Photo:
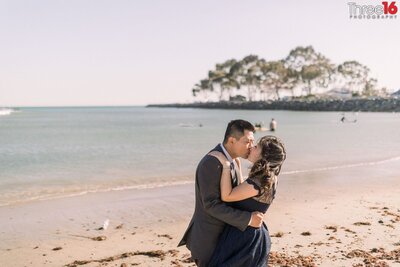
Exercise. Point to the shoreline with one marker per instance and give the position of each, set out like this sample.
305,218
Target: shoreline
145,225
312,104
185,180
116,188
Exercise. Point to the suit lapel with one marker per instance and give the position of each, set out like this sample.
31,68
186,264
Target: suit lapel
234,175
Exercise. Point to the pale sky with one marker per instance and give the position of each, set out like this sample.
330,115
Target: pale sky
81,52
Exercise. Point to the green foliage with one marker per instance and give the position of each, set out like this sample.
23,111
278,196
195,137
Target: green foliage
303,68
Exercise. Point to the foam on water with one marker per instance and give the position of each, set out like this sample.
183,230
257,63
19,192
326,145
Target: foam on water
6,111
344,166
61,194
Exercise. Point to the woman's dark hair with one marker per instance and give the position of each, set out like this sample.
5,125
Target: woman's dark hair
273,154
236,129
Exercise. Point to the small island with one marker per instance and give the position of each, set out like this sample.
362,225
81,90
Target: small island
304,81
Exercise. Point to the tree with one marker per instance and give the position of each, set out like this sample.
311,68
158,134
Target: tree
355,75
300,57
202,88
370,87
275,77
313,68
248,75
308,74
223,79
302,71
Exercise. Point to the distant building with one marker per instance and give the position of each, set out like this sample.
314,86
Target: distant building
396,94
237,98
340,93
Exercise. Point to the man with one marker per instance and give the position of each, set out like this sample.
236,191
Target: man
211,214
272,125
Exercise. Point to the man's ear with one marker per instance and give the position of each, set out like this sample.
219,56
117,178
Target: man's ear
231,140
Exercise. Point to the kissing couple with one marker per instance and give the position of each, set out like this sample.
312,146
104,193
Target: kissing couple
227,227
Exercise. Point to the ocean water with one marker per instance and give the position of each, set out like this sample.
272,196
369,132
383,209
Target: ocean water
58,152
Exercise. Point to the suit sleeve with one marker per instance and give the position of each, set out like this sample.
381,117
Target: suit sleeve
208,179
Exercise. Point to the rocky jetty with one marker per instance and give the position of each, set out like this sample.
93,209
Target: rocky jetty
315,104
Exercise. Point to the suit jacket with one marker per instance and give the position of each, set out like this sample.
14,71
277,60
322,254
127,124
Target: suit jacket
211,213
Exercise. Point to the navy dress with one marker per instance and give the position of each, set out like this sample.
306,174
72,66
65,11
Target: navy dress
251,247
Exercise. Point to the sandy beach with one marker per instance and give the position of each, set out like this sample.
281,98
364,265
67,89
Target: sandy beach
353,222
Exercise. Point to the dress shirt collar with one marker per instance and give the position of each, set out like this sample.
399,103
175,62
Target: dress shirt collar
226,153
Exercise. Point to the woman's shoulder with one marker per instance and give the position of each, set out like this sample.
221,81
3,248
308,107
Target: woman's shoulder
255,183
253,180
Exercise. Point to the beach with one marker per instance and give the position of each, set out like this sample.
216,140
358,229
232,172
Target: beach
354,223
114,186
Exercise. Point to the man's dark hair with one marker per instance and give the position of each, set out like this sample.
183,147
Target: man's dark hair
236,129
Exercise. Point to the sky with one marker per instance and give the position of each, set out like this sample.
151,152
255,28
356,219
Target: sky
131,52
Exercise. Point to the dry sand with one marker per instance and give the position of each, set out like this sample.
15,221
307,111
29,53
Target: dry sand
321,222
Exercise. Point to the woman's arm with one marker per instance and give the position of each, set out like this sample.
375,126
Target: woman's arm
240,192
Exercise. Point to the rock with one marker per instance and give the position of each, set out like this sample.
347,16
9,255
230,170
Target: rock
306,233
331,227
99,238
278,234
165,235
317,104
361,223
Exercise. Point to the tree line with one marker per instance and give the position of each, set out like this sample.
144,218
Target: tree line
303,72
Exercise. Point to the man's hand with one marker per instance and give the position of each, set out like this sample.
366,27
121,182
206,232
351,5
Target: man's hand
256,219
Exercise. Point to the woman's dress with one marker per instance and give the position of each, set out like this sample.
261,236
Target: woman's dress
251,247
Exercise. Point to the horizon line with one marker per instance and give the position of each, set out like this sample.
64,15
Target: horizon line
72,106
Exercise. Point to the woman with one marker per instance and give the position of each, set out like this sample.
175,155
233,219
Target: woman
251,247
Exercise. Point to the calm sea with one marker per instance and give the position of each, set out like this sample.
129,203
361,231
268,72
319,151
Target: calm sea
53,152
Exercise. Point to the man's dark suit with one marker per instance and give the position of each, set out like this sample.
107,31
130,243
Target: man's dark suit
211,214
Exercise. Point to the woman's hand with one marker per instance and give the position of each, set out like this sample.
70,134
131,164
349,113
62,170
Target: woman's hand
221,157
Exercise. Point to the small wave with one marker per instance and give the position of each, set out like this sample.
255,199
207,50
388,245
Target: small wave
371,163
6,111
103,190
